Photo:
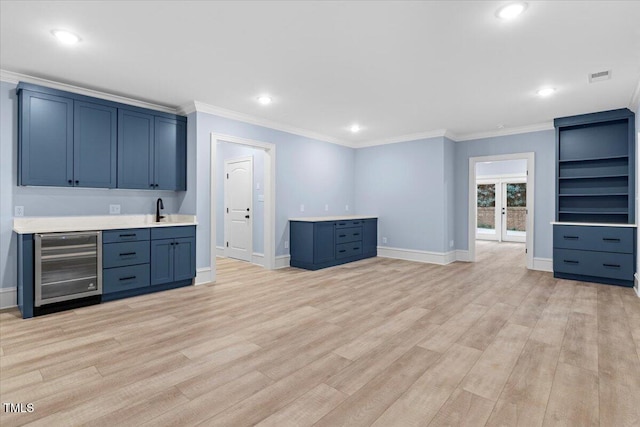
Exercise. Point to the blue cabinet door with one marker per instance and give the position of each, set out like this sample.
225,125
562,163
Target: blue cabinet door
170,156
162,261
46,139
324,244
370,237
94,145
135,150
184,258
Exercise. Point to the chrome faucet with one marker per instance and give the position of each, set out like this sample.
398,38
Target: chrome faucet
159,205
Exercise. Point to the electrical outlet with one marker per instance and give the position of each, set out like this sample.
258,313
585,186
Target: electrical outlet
346,207
286,244
384,240
450,243
18,211
114,209
301,208
326,207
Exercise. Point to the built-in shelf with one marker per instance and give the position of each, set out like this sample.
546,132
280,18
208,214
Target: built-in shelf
593,195
593,213
594,176
593,159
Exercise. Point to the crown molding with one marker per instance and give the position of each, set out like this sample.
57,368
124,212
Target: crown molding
635,99
506,131
202,107
12,77
406,138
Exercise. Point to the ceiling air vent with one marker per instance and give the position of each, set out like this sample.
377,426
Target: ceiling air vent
599,76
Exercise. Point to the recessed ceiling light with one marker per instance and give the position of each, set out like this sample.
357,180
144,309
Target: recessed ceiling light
511,10
66,37
546,91
355,128
264,99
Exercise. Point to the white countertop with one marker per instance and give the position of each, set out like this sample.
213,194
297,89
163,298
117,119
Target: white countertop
46,224
332,218
594,224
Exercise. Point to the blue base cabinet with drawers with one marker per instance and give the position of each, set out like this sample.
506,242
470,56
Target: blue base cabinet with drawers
602,254
145,260
594,236
320,244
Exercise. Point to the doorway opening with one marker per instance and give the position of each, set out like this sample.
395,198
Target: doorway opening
267,199
501,202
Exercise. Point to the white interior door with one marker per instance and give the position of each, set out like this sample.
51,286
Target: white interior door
238,195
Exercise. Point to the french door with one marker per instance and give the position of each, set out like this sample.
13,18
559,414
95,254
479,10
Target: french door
502,209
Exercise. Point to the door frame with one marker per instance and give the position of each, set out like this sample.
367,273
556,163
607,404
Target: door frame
227,224
269,197
473,196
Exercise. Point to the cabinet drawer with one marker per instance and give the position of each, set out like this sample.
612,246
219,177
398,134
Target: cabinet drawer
173,232
346,235
346,250
604,239
125,235
125,278
349,223
128,253
588,263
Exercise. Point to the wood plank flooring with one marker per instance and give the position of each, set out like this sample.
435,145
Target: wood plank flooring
378,342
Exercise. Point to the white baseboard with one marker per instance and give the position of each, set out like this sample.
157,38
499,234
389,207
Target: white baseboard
636,284
220,251
441,258
462,255
203,275
543,264
8,297
257,259
282,261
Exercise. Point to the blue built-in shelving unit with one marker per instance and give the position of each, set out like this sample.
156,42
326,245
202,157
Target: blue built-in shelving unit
594,233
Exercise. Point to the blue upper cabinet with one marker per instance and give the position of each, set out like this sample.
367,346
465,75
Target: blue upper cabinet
170,154
46,139
67,139
135,150
94,145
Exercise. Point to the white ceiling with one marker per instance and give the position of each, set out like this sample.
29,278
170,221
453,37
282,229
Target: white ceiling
396,68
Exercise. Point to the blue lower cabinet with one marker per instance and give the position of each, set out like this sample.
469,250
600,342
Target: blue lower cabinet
173,254
601,254
125,278
320,244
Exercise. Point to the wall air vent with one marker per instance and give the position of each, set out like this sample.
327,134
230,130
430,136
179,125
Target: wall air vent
599,76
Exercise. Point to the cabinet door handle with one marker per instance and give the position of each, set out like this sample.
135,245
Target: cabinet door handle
571,237
356,234
151,185
77,182
610,239
70,182
355,249
611,265
342,235
342,250
127,278
570,261
127,254
127,235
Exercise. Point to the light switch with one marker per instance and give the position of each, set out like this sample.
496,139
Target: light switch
114,209
261,197
18,211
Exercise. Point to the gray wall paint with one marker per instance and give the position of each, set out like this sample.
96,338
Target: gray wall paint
229,151
308,171
403,184
449,194
55,201
543,145
505,167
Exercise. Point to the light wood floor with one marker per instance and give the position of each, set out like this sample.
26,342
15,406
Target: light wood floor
378,342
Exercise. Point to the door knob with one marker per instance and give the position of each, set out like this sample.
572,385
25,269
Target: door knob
247,209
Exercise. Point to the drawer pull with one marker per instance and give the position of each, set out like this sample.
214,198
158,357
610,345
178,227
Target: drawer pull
342,250
356,234
128,235
610,239
611,265
355,249
342,235
570,261
356,222
342,223
128,254
128,278
571,237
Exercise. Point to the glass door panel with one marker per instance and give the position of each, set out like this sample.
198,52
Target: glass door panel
486,212
514,211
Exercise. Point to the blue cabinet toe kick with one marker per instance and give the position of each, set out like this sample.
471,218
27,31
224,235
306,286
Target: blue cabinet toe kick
594,279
